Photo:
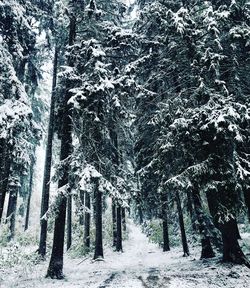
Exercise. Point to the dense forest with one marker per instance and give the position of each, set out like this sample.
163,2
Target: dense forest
124,128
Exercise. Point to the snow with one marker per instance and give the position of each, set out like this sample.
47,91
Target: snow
142,264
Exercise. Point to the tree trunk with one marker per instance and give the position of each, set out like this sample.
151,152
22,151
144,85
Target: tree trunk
55,269
4,173
207,250
12,205
48,162
182,226
191,210
247,200
124,225
27,216
87,223
69,221
119,228
231,248
114,223
164,205
82,200
98,221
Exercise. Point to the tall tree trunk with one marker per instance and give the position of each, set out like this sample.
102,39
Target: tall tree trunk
12,205
119,228
48,162
247,200
4,173
87,223
207,250
231,249
164,204
69,222
124,225
27,216
191,210
182,226
98,221
114,223
82,200
55,269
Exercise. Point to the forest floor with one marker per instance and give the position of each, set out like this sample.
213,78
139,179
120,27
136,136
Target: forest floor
142,264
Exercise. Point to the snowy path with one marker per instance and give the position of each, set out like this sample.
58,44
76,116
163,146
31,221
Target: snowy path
142,265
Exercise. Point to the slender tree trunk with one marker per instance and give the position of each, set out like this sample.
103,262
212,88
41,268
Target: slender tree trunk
27,216
4,174
247,200
12,205
124,225
48,163
69,221
119,228
114,223
207,250
191,210
55,269
182,226
164,204
98,221
87,223
82,199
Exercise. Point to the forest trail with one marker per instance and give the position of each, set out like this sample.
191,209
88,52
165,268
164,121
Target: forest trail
141,265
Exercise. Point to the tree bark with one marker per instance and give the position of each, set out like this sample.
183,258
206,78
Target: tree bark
182,226
191,210
119,228
114,223
231,248
55,269
124,225
207,250
69,222
98,221
87,223
48,162
4,173
27,216
165,235
12,205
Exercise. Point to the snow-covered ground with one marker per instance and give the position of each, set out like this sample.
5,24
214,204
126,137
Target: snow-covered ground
142,264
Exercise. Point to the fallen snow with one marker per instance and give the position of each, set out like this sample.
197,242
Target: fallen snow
142,264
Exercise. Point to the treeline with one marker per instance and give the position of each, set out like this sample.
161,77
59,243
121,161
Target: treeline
152,113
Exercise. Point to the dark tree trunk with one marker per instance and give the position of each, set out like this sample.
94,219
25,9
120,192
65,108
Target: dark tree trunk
12,205
87,223
164,204
27,216
82,200
182,226
247,200
207,250
55,269
124,225
114,223
98,221
69,222
191,210
48,163
231,248
119,228
4,173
